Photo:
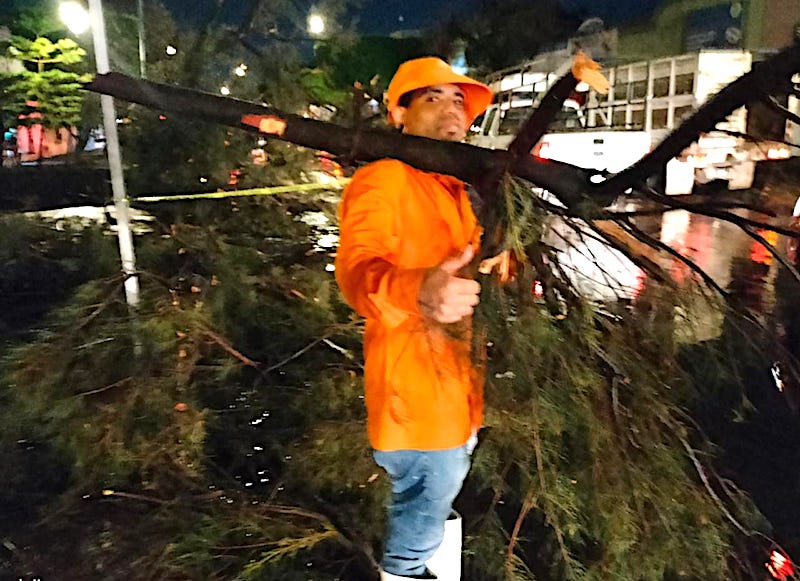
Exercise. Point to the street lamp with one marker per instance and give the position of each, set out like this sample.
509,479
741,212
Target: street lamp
316,24
124,234
171,50
75,16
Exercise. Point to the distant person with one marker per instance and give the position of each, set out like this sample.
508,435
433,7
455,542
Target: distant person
405,235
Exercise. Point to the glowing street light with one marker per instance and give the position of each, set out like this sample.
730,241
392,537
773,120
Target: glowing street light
171,50
316,24
225,90
241,70
75,16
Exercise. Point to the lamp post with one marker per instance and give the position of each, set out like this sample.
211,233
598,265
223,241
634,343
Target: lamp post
124,233
142,47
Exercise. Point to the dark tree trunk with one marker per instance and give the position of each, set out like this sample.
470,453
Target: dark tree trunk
464,161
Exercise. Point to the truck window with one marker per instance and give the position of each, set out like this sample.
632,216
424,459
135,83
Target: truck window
477,125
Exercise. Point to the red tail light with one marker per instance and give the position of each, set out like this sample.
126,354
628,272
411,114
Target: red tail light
541,150
780,566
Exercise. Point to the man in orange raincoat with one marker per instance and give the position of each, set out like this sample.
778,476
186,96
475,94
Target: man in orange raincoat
405,234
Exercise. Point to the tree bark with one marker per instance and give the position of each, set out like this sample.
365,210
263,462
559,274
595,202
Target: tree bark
461,160
479,166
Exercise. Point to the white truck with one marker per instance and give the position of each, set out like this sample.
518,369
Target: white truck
647,100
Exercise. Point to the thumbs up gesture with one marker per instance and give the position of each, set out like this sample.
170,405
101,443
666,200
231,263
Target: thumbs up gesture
443,295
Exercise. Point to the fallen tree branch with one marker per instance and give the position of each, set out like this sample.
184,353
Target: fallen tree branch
704,477
721,215
754,139
540,120
230,349
773,104
772,250
466,162
106,388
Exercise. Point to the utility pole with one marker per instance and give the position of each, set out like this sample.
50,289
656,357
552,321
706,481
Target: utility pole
124,233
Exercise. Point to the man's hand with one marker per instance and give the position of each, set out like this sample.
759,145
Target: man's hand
443,296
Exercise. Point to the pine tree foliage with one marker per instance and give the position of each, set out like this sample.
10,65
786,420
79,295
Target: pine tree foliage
246,390
42,266
590,440
237,434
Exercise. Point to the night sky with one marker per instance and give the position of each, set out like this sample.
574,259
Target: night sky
385,16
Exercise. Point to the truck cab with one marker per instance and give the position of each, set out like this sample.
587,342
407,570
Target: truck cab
569,141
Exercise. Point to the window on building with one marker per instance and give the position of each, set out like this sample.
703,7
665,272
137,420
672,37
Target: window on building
682,113
637,118
684,84
660,117
661,73
639,89
618,118
661,87
621,84
567,120
638,83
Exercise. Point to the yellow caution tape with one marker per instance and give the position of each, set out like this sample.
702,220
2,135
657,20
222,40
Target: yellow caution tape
271,191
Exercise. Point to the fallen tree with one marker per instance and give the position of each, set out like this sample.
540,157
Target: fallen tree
572,185
592,466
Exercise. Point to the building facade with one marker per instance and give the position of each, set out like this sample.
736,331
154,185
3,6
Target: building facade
681,26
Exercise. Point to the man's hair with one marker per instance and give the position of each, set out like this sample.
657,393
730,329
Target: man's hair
406,98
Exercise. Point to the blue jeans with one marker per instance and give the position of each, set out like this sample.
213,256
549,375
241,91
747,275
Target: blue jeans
424,485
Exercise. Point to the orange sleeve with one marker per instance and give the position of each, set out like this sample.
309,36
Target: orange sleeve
367,267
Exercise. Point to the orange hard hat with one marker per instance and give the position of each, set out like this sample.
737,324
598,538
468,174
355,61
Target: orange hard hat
428,71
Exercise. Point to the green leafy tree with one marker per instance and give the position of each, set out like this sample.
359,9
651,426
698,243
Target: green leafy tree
370,60
48,91
31,18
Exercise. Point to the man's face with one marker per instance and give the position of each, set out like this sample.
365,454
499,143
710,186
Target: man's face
436,112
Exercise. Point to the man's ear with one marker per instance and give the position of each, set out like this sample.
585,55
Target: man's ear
398,116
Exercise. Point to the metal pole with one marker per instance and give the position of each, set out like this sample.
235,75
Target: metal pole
142,47
124,234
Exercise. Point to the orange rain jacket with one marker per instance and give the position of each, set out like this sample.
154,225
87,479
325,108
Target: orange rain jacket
422,391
